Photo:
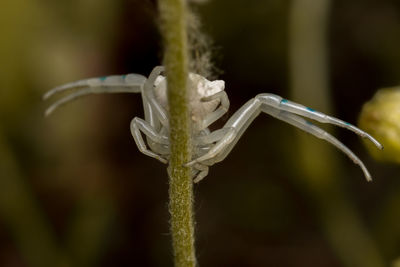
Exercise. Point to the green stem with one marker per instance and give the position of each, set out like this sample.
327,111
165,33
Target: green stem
174,30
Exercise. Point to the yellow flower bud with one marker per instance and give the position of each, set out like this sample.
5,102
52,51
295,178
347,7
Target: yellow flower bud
381,118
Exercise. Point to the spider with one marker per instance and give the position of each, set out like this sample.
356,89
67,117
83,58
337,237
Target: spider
208,102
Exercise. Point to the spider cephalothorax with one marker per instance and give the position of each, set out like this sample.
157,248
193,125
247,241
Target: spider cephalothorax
208,102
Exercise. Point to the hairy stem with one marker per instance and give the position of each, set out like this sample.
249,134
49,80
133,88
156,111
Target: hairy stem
174,31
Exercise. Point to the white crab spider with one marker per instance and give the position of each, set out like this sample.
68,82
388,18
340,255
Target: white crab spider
208,102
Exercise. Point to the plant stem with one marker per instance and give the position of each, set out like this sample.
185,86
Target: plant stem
174,30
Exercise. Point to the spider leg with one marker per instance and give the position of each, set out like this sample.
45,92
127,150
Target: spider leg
149,131
232,131
148,95
138,126
203,172
154,125
310,113
80,93
211,137
65,100
214,154
308,127
242,118
131,83
219,112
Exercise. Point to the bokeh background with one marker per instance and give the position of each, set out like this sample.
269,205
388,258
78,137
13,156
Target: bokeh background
75,190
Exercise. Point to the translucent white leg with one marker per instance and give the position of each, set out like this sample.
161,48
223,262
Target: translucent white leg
161,149
212,137
137,136
133,83
149,131
246,114
149,115
232,131
318,132
219,112
87,91
150,97
210,157
310,113
203,172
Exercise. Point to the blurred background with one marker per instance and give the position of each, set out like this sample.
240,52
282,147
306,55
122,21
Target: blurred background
75,190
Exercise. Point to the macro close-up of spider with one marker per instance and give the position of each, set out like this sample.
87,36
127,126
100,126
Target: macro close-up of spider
208,103
187,133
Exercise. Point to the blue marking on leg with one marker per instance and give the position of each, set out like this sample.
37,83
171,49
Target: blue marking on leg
103,78
284,101
310,109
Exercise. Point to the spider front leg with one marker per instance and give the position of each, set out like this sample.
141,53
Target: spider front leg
137,127
310,113
130,83
306,126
